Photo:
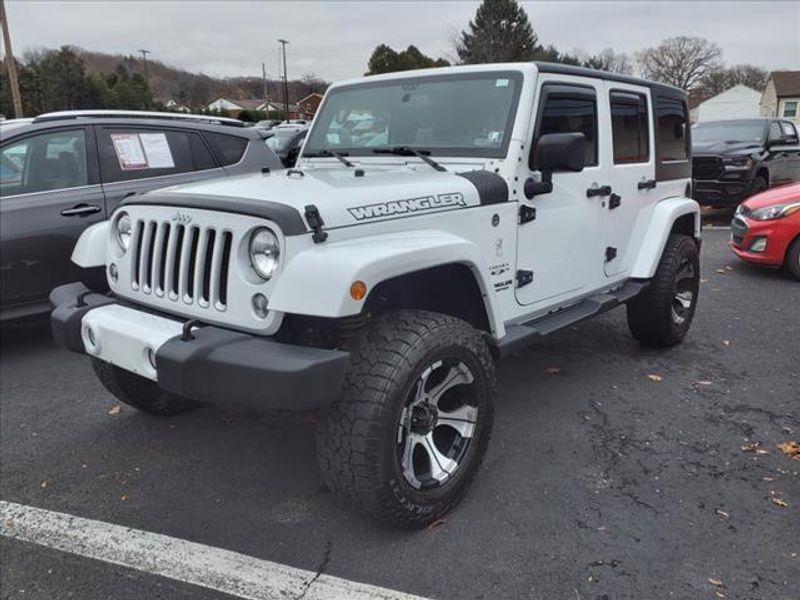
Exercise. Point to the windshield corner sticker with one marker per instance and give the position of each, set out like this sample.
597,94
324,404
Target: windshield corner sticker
400,208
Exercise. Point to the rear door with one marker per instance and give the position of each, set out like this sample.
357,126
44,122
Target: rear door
135,159
50,194
633,175
562,248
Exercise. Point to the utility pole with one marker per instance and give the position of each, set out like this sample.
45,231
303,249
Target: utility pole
285,82
144,59
264,79
11,65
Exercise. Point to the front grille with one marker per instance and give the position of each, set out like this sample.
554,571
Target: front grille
706,167
738,232
182,263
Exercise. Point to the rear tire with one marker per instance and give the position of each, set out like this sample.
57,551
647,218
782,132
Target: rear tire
793,258
409,432
139,392
662,314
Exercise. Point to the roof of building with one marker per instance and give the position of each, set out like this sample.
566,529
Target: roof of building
787,83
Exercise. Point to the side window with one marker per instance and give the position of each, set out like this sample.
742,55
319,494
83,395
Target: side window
789,130
228,148
138,153
775,132
40,163
200,153
790,108
570,112
673,138
629,128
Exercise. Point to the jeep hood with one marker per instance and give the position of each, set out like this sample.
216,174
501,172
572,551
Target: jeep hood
341,197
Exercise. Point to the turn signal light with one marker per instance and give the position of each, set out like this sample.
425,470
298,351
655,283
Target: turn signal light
358,290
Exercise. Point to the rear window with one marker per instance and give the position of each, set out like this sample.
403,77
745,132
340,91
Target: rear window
673,139
629,127
228,148
128,153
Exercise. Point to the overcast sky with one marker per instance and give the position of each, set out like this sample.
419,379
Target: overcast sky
334,39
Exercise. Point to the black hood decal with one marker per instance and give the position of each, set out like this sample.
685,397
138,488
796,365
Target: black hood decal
492,189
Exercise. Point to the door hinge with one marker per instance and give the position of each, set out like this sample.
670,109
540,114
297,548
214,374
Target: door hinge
524,277
526,214
316,223
611,253
614,201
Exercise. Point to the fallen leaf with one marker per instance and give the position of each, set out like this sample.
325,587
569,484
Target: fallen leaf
791,449
719,594
721,271
779,502
729,268
436,523
123,497
726,342
44,484
722,514
114,410
715,582
654,377
767,479
702,383
552,370
704,281
754,447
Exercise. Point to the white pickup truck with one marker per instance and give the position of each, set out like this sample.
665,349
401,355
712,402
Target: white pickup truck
435,221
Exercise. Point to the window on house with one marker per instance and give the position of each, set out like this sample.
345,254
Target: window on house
566,112
671,118
790,108
629,128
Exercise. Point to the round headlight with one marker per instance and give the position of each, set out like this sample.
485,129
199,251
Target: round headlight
264,252
122,230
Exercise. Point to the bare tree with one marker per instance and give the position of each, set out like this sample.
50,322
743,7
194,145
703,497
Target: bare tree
681,61
608,60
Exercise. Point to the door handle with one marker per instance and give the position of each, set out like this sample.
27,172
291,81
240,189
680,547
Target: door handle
598,191
646,184
81,210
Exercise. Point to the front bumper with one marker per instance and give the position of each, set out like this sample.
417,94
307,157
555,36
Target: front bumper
211,364
746,232
720,194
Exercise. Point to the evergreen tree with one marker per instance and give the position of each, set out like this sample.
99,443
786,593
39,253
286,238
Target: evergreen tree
500,32
386,60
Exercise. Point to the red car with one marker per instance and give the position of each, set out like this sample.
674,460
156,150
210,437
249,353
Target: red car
766,229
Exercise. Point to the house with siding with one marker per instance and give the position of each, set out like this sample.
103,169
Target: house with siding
738,102
781,97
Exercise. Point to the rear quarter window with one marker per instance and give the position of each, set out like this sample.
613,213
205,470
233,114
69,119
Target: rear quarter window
672,137
228,148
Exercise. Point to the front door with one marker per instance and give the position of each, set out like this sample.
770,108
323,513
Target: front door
561,251
50,194
633,180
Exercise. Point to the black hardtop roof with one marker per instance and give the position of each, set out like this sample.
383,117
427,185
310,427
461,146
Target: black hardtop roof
546,67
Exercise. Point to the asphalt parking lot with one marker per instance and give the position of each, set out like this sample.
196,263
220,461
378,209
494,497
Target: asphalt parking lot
614,472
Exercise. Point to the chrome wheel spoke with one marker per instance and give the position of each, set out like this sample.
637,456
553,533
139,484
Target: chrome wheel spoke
441,466
407,460
462,419
457,375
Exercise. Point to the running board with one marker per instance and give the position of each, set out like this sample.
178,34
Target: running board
524,334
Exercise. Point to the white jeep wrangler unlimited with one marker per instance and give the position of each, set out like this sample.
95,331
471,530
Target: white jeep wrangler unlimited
435,221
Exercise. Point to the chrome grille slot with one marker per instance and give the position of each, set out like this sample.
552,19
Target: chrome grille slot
182,263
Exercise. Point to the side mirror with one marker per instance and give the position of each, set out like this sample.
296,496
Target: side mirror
560,152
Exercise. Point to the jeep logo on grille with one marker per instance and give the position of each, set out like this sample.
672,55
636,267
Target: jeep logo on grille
182,218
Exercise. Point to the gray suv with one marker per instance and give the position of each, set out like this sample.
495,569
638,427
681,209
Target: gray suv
61,172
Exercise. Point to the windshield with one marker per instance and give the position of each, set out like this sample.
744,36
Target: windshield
730,133
450,115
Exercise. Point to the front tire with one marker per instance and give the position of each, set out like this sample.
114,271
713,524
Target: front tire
139,392
793,258
409,432
662,314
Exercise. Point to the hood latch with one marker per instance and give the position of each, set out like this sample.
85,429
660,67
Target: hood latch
314,220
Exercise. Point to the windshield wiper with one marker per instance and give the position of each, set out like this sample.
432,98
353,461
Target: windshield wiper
340,156
409,151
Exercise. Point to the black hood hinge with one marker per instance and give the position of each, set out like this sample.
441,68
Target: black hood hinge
314,220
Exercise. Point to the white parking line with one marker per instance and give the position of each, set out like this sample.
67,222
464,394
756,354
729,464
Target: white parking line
214,568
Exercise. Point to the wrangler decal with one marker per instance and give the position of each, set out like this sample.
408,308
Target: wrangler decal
453,200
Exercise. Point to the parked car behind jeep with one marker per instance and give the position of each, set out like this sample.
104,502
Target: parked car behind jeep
733,160
62,172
